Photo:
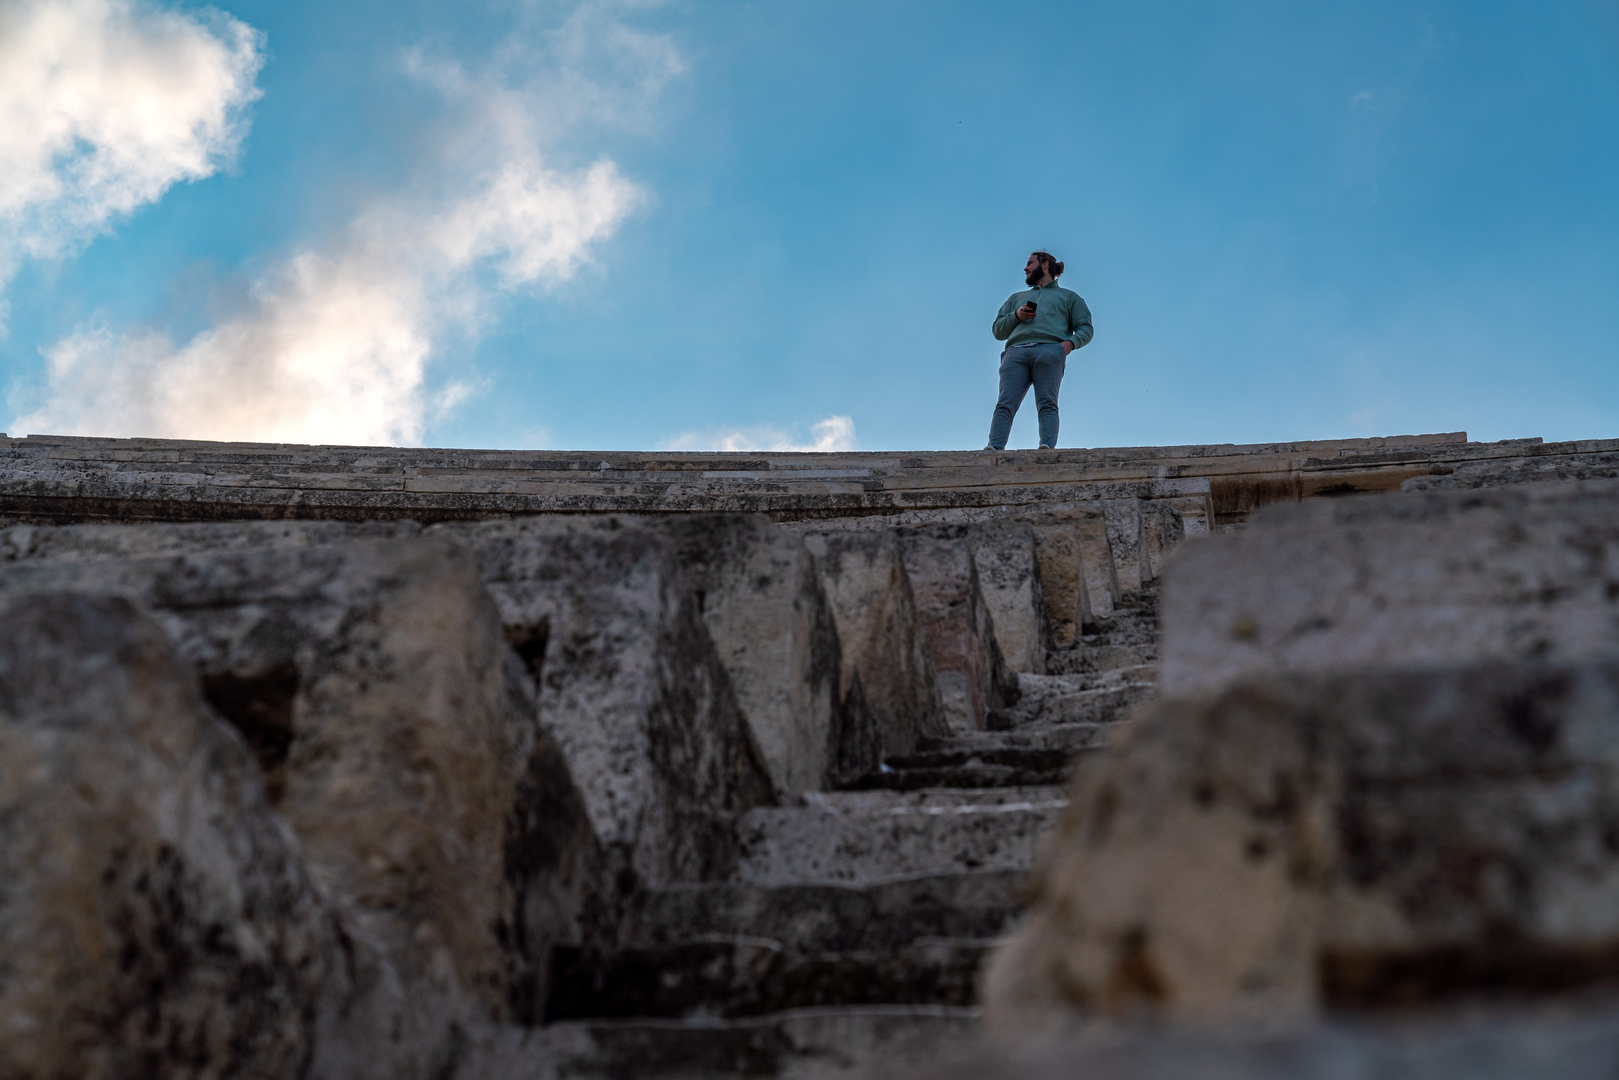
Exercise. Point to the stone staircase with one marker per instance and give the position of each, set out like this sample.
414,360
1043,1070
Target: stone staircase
852,931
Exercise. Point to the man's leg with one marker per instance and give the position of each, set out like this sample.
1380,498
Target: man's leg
1015,377
1049,362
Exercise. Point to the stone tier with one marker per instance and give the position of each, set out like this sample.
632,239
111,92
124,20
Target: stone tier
153,479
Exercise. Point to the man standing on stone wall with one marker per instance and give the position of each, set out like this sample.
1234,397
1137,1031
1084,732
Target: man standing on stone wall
1040,326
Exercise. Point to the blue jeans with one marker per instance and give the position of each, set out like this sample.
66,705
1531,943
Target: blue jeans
1022,366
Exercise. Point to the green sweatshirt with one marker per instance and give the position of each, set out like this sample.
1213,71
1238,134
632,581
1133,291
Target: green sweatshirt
1060,316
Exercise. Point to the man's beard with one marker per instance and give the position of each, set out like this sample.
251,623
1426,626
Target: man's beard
1032,277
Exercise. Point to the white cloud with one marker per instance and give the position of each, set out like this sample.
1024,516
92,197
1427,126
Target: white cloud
335,343
831,435
106,104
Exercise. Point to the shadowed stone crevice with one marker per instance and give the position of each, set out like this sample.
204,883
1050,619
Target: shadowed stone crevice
259,704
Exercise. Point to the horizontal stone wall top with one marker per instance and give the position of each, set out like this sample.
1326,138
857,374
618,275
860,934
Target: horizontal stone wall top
59,497
143,479
187,449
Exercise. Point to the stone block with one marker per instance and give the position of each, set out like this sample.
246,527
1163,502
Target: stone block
395,731
974,678
1527,571
631,686
1162,528
1096,556
1062,577
1366,839
1059,546
880,634
158,917
1123,518
763,603
864,837
1006,556
1495,472
1196,512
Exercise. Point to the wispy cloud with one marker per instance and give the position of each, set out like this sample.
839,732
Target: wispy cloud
335,343
105,105
832,435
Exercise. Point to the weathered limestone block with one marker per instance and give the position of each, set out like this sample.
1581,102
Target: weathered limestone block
761,597
1371,838
1096,556
1124,540
1495,472
25,542
157,917
1196,512
1006,555
1062,576
396,734
1161,530
881,635
1528,571
631,686
974,678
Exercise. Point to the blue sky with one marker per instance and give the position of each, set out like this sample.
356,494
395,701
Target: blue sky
636,225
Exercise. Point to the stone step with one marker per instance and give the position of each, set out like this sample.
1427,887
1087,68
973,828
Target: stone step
828,917
869,836
803,1043
972,773
1061,738
1084,658
740,976
1100,706
743,949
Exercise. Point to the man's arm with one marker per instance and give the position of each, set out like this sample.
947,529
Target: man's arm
1006,319
1080,330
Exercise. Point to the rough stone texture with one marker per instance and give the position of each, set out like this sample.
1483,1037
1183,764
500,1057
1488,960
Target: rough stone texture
761,597
870,836
1528,571
631,686
974,678
804,1044
1059,551
881,635
66,480
1368,839
1495,472
158,918
1195,513
396,734
1162,528
1096,555
100,541
1006,555
1124,533
1087,519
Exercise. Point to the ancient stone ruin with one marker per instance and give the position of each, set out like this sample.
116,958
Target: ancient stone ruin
367,762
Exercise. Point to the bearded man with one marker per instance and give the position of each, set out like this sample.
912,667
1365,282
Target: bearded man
1041,326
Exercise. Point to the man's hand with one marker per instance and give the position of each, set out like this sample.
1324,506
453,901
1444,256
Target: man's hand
1067,347
1026,313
